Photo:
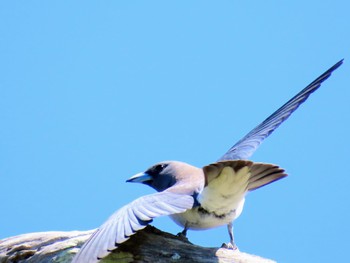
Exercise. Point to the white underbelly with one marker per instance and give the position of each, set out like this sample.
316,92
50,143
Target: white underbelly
197,219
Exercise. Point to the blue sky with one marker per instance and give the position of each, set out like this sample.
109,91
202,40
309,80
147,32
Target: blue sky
92,92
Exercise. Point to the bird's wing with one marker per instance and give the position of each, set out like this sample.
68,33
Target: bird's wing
244,148
129,219
227,183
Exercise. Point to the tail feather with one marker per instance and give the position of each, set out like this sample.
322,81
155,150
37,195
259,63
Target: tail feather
261,174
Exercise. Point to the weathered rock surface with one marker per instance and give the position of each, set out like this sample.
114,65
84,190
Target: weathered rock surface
149,245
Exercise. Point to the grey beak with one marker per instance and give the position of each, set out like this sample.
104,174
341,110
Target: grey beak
139,178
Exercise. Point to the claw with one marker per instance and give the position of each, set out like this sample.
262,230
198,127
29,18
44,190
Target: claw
230,246
182,235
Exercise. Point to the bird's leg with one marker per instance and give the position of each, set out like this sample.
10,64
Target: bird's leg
183,234
231,244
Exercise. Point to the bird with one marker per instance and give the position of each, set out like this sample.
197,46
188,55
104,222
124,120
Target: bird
197,198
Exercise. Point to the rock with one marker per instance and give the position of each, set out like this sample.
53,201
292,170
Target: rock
148,245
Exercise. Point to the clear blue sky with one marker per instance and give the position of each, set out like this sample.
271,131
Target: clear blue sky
92,92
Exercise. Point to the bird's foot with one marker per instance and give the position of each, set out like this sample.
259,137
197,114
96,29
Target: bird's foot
182,236
229,245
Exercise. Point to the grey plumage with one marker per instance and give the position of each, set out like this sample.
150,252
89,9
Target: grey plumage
197,198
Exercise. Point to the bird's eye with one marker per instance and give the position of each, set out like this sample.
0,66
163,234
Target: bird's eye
157,169
160,167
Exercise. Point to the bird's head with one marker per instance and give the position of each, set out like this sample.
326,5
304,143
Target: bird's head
163,175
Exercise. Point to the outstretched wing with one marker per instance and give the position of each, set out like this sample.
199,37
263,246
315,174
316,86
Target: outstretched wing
129,219
244,148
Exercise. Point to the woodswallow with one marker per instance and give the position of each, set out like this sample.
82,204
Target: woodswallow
197,198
